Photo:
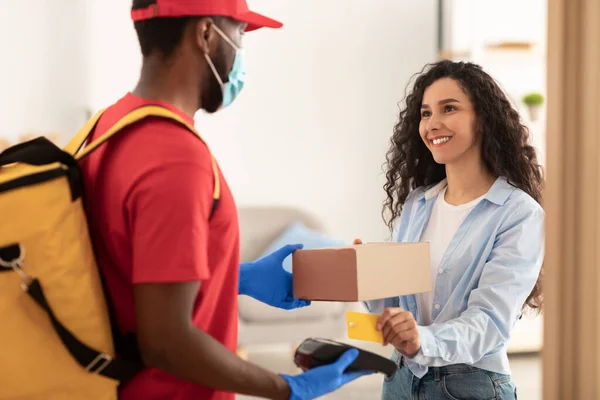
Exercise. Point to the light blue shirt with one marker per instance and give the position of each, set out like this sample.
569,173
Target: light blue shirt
487,272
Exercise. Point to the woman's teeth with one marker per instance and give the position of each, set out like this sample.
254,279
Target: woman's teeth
441,140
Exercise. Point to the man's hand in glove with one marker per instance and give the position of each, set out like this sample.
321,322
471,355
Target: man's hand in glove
267,281
324,379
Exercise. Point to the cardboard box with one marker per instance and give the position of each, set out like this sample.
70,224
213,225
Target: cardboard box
361,272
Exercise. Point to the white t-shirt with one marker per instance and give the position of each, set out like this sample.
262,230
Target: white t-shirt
443,223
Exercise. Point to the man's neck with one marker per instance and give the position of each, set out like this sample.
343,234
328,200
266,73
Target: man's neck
160,82
467,180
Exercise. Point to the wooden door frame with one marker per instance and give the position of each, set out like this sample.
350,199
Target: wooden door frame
571,355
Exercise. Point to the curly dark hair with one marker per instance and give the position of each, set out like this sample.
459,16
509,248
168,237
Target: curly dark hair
504,143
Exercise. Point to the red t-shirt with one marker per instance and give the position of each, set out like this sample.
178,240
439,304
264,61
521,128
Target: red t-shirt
149,193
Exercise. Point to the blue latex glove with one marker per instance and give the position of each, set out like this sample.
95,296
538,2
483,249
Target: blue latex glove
324,379
267,281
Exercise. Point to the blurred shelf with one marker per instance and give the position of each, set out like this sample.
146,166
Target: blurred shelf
454,54
495,49
512,46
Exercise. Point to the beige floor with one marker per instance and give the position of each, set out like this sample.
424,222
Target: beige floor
526,373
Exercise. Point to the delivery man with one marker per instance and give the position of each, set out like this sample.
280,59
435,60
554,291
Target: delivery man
171,266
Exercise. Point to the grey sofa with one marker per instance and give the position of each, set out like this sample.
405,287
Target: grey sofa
260,324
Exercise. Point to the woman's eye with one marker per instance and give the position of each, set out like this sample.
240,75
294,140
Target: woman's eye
425,114
449,108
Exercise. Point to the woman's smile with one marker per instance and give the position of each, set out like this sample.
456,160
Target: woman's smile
439,140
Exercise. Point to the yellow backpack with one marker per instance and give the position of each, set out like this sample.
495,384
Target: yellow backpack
56,333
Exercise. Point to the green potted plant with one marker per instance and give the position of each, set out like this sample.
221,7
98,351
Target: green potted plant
534,102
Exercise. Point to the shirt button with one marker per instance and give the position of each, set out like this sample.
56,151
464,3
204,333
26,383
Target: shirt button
437,306
441,271
448,356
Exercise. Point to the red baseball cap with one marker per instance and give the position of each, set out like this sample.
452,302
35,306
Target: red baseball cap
235,9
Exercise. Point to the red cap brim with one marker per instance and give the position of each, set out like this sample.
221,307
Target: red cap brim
257,21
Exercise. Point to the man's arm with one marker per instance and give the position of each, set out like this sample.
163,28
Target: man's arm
169,341
167,206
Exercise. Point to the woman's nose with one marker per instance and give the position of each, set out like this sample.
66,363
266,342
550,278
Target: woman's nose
433,123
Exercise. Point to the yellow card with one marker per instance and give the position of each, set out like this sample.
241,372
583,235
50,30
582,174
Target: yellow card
362,326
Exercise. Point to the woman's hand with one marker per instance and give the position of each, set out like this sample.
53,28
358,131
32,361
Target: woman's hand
400,330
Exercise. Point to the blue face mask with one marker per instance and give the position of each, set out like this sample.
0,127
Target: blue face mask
235,82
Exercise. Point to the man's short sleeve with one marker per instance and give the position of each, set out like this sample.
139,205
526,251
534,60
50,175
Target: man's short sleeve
168,209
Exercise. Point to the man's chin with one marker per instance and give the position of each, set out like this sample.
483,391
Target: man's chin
214,102
212,107
211,110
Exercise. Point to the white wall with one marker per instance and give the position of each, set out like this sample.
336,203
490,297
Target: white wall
44,68
312,125
115,58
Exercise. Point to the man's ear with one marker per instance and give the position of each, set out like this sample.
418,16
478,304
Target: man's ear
206,37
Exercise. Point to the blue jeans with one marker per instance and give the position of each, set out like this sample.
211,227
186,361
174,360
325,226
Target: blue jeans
453,382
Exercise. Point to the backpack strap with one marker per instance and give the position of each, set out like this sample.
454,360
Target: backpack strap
93,361
77,142
75,145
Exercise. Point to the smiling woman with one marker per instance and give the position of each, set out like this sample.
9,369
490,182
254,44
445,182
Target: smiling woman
448,118
462,177
445,95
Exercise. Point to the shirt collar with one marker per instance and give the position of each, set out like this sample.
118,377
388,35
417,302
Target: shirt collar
498,193
435,189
